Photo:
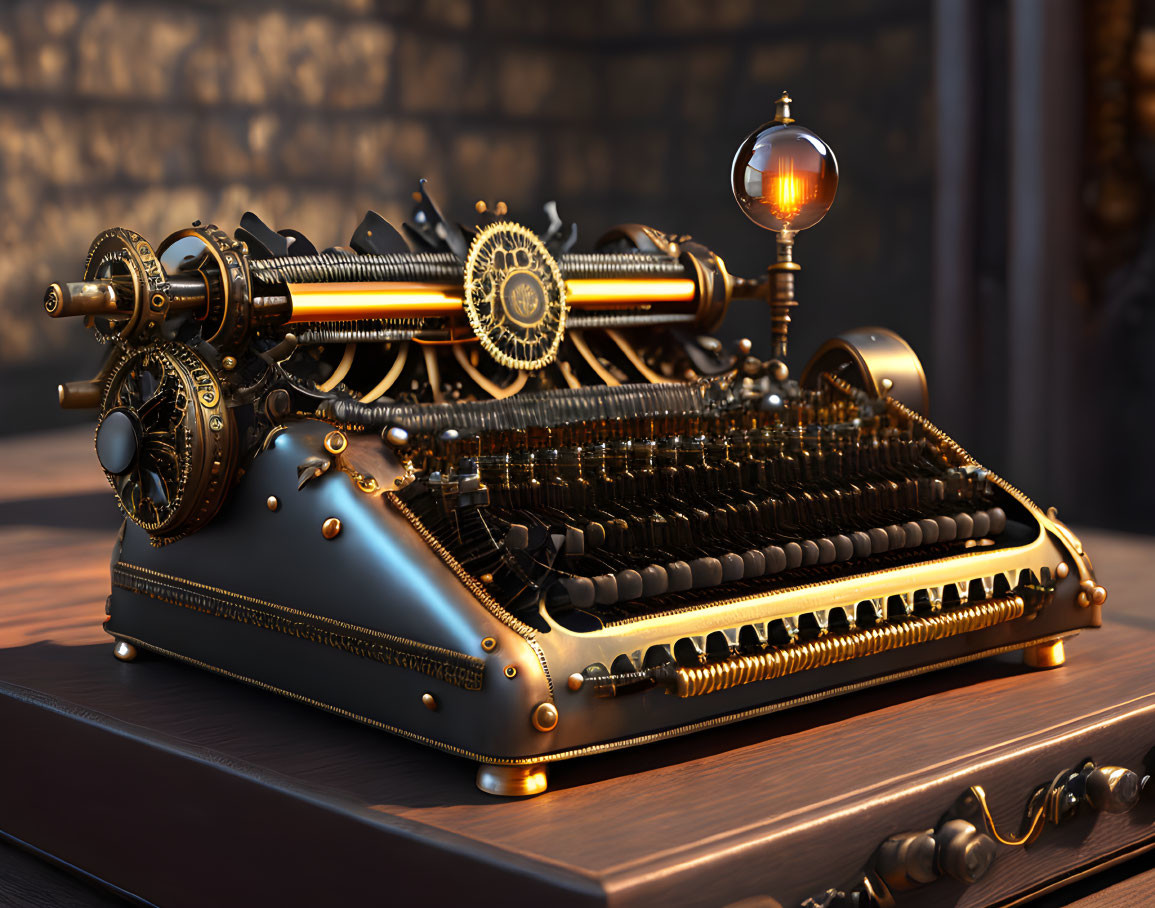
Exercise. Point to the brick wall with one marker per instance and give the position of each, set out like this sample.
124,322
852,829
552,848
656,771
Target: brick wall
151,114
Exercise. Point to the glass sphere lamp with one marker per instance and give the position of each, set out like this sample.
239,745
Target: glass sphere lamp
784,179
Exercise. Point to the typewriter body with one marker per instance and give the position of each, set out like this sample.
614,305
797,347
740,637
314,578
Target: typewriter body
509,500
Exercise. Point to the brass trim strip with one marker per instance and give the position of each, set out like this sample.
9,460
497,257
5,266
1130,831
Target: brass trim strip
591,749
829,649
458,669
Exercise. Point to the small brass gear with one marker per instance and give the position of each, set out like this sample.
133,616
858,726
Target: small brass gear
514,296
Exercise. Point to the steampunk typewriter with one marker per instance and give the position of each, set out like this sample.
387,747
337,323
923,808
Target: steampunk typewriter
509,500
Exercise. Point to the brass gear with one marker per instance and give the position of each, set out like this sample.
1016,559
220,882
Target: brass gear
514,296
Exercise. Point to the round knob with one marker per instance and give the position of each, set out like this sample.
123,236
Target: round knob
1112,788
906,861
118,441
964,853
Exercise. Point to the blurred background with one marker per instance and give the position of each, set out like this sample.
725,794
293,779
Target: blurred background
995,156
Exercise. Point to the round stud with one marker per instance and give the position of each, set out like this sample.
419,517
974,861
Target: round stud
886,384
1062,570
479,206
330,528
124,651
336,442
489,644
777,370
1098,595
486,578
229,363
575,681
396,437
272,502
544,717
745,345
511,671
501,209
429,702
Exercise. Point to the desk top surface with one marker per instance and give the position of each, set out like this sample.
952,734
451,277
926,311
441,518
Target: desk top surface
618,818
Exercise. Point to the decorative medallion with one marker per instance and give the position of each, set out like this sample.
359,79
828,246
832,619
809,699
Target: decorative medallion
166,440
514,296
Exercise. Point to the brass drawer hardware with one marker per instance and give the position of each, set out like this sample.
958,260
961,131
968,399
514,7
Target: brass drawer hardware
965,843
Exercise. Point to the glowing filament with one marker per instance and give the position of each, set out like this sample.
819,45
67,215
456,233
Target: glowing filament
789,192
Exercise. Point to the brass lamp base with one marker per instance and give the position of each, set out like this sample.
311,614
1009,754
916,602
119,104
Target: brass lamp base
512,781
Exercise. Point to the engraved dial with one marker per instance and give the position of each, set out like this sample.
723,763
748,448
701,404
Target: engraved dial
514,296
166,440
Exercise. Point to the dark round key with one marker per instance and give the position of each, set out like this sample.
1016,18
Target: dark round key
775,559
732,567
861,543
706,572
580,591
629,585
680,577
843,547
998,520
655,580
929,529
605,589
809,552
753,563
879,541
793,554
982,524
965,524
895,537
826,552
913,533
947,529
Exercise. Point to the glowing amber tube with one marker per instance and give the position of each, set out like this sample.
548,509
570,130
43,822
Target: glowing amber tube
598,293
336,302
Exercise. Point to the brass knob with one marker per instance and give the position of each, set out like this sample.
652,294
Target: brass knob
964,853
1112,788
907,860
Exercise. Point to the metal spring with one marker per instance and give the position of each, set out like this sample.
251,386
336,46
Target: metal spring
446,267
397,266
579,265
597,321
826,650
522,411
360,332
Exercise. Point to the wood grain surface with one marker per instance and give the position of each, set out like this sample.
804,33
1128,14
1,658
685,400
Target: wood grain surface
782,806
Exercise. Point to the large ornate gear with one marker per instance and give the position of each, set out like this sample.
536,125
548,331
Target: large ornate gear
166,440
514,296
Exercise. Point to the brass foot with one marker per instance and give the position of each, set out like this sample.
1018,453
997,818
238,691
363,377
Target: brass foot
1045,655
512,781
124,651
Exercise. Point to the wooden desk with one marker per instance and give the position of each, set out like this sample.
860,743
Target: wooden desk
187,789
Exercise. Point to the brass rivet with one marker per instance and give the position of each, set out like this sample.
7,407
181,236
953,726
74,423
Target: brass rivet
487,578
1061,570
336,442
886,384
489,644
229,363
511,671
1098,595
480,207
745,345
429,701
544,717
272,502
330,528
501,209
575,681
